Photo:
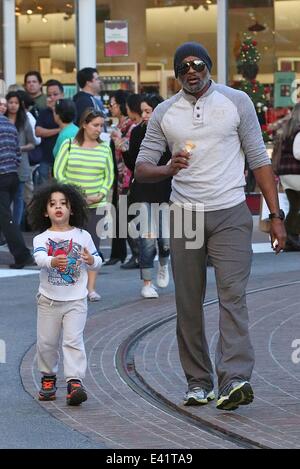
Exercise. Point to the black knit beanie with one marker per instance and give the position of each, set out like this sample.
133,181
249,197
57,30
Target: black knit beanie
191,49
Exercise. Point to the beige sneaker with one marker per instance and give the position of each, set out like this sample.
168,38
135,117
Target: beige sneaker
163,278
94,296
149,291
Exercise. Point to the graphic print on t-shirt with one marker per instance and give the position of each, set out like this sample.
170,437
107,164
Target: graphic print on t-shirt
72,251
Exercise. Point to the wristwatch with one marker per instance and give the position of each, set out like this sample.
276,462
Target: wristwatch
279,215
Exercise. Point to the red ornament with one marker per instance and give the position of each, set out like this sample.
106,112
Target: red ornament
245,47
254,43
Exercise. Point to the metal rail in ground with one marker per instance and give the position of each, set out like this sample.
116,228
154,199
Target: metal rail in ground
126,368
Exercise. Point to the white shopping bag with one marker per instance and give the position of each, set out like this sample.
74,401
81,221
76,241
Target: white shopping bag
264,222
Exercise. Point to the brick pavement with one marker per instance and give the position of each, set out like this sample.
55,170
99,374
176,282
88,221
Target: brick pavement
117,416
273,420
114,413
121,418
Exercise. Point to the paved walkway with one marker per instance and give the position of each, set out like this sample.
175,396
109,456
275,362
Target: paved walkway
121,418
119,414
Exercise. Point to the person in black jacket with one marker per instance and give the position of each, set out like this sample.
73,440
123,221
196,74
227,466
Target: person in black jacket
90,84
148,195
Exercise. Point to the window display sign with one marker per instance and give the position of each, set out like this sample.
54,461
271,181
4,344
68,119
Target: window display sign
115,38
284,89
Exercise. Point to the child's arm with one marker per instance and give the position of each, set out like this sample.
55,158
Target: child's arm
41,256
46,262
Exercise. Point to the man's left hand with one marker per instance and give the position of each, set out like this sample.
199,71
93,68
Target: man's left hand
278,235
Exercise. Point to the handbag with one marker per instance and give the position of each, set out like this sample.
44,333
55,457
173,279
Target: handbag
35,156
276,154
264,222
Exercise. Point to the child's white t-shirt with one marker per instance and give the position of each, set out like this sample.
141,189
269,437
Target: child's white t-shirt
70,284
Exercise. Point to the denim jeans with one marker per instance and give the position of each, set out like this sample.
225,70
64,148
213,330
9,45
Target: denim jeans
45,171
18,209
8,188
154,231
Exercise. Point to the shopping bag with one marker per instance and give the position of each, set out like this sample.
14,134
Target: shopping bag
264,222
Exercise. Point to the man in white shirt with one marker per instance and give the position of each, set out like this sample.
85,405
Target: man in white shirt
210,128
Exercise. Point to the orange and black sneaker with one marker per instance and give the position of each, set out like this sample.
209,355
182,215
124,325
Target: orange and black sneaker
48,388
76,392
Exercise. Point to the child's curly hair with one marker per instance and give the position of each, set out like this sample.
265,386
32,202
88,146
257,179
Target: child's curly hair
38,206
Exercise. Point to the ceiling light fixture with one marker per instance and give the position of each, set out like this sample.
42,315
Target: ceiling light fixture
29,12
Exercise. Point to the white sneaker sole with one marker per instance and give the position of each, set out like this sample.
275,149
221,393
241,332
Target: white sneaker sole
194,401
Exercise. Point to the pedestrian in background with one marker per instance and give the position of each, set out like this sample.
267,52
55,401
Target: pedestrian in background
33,84
87,162
88,97
3,108
64,116
289,171
10,159
152,231
120,136
48,129
3,104
17,115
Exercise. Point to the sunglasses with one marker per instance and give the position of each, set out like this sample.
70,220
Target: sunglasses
197,65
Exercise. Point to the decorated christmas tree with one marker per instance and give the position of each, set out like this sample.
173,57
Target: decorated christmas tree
247,65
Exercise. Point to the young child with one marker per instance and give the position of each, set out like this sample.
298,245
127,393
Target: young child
64,252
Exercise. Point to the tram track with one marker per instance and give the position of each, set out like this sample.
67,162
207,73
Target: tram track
125,365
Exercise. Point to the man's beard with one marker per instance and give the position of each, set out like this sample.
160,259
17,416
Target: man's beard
197,87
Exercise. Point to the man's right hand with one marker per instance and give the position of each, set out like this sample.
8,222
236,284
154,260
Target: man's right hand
178,161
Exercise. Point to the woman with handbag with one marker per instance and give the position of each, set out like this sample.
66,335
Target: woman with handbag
17,115
153,199
87,162
288,169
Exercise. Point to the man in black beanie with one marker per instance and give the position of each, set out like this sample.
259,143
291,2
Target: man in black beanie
210,128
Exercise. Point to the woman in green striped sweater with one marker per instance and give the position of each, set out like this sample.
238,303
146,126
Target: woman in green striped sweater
87,162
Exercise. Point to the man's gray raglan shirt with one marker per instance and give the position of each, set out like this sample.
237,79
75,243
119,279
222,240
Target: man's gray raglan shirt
224,128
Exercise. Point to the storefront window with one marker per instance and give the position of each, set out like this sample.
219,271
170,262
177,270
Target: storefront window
287,27
287,52
255,20
46,39
155,29
274,26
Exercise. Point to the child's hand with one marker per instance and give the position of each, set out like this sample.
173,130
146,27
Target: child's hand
87,257
94,199
60,262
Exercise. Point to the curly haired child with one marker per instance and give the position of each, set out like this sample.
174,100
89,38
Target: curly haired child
64,252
